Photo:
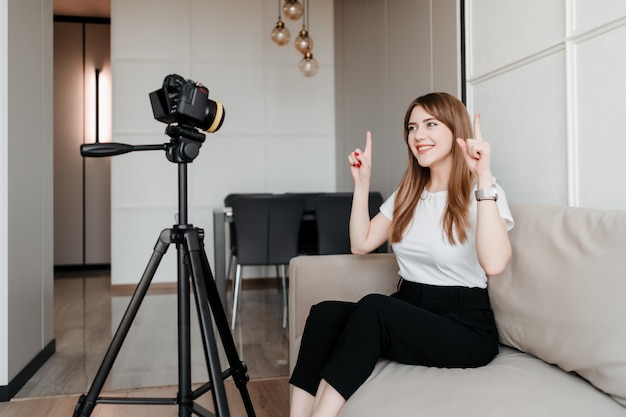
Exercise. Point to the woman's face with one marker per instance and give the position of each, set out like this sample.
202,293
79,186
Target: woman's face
429,139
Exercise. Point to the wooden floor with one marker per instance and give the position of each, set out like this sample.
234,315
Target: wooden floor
87,313
270,398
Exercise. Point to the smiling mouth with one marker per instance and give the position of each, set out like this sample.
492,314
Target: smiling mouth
424,148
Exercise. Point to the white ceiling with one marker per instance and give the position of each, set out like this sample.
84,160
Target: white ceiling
85,8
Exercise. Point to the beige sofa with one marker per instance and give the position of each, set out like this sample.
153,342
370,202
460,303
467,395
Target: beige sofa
561,311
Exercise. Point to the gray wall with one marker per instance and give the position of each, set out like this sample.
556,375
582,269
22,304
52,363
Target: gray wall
26,232
387,54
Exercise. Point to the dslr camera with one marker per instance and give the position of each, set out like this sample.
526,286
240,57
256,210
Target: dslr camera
187,103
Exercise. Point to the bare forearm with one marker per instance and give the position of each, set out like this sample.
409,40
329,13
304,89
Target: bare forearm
492,240
359,217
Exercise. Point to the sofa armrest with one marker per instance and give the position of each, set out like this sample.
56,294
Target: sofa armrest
334,277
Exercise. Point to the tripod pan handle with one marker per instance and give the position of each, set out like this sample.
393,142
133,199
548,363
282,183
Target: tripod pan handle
105,149
98,150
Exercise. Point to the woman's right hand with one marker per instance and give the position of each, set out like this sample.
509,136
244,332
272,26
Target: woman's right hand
365,234
361,161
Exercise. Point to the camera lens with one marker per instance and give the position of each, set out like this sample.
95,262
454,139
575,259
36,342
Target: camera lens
215,114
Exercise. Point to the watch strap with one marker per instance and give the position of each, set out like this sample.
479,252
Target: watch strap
490,193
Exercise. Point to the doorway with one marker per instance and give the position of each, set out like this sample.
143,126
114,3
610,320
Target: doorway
82,114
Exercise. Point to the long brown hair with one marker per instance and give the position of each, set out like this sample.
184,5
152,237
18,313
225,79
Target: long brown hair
452,113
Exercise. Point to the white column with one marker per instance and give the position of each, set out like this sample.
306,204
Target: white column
26,264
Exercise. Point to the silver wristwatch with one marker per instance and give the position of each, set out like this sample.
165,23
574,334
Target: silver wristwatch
490,193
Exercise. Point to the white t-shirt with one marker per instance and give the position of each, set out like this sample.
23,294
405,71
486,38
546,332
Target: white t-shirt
424,254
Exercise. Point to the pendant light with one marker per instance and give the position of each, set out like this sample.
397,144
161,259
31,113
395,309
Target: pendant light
280,33
303,42
292,9
308,65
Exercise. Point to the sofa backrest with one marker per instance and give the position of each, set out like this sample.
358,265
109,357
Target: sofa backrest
562,297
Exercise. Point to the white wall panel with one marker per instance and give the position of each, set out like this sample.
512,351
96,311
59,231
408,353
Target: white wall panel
136,231
296,108
587,14
229,30
143,179
601,90
523,118
574,98
294,163
503,32
226,165
150,29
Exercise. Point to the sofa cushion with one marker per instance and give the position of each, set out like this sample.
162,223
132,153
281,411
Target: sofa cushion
562,296
514,384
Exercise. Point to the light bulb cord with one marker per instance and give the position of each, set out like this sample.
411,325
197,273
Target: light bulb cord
306,13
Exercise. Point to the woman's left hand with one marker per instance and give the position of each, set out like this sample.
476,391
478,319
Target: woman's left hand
476,151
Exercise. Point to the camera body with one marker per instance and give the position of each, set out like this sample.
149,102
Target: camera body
186,102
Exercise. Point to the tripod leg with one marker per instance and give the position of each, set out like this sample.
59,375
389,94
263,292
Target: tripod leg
207,296
185,395
87,403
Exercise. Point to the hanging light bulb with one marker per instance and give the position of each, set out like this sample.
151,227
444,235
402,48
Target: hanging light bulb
280,33
304,42
292,9
308,65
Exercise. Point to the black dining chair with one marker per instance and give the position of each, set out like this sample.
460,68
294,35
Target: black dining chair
267,229
307,241
232,247
332,213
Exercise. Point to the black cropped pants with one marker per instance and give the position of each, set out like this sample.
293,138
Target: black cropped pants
451,327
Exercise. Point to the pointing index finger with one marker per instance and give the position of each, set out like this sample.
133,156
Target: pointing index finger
477,133
368,143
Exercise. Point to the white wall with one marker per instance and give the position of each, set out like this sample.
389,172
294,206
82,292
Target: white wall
26,258
548,79
279,131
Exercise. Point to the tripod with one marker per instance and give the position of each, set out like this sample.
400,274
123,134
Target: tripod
193,270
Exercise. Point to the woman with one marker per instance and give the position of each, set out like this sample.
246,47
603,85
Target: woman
447,223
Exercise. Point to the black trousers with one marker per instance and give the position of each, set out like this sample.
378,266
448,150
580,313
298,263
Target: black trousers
428,325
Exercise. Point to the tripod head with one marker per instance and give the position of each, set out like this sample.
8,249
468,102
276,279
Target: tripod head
183,147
